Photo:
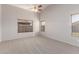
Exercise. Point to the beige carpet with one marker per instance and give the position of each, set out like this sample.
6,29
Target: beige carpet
36,45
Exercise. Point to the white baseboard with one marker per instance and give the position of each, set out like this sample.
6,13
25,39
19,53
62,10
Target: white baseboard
70,43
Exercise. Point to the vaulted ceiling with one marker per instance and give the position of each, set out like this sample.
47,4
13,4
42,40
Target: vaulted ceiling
30,6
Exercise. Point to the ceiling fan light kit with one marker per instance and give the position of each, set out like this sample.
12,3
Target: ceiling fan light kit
37,8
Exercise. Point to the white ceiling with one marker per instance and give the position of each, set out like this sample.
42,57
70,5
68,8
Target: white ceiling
29,6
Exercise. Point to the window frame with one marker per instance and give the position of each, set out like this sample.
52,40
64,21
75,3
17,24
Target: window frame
26,25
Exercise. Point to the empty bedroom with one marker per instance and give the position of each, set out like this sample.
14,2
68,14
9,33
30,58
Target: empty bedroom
39,28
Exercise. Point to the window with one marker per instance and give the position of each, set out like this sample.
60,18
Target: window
25,26
42,26
75,24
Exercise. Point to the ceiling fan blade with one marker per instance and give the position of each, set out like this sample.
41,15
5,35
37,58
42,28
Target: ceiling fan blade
39,6
36,8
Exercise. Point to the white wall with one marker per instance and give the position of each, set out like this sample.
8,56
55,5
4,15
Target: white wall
0,23
10,14
58,23
36,24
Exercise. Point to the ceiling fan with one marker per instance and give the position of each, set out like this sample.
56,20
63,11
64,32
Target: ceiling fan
37,8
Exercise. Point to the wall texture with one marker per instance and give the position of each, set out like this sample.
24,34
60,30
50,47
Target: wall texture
0,23
58,23
10,14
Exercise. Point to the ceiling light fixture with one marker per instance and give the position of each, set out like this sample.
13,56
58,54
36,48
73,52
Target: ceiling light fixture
37,8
